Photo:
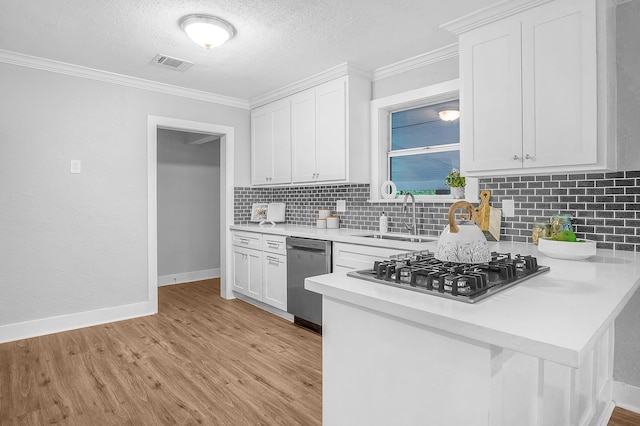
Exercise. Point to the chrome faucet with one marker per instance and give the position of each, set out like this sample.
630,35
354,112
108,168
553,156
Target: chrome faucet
413,226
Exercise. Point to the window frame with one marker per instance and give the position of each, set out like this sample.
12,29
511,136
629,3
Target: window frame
381,110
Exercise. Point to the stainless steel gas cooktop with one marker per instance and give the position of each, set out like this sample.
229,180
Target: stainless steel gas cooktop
465,282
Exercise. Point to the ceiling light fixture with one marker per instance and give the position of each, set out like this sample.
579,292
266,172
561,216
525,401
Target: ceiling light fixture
207,31
449,115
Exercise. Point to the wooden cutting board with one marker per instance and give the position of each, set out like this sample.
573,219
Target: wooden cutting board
488,218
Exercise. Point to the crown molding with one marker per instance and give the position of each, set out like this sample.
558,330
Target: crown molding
490,14
34,62
440,54
341,70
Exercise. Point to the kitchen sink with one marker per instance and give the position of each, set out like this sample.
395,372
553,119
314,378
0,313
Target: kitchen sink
400,237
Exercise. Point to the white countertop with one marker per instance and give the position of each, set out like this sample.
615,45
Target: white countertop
342,235
557,316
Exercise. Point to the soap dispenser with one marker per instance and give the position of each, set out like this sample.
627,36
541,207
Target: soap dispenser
384,223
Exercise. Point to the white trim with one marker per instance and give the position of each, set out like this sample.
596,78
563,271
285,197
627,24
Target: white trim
226,195
265,307
626,396
187,277
41,327
437,55
490,14
379,131
309,82
28,61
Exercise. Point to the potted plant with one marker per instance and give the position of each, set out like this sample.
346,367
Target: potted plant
456,183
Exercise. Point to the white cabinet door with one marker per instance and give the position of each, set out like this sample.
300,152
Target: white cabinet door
247,272
331,136
254,265
281,148
529,96
303,136
271,143
261,145
559,84
275,280
240,270
490,99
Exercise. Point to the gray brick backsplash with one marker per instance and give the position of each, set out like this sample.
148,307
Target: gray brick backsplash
605,206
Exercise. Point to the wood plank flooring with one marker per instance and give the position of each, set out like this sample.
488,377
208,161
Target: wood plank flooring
622,417
200,360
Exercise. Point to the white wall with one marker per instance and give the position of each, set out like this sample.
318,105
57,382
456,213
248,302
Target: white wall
434,73
73,243
627,349
188,205
628,80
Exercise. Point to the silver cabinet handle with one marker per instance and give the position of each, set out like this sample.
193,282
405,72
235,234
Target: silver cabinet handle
528,157
244,241
515,157
273,259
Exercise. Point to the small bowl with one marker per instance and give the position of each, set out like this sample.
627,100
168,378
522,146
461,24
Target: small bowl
566,249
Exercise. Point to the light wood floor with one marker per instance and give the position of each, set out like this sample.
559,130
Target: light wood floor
622,417
201,360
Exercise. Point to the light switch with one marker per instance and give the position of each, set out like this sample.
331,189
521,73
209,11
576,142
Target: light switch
508,208
341,206
76,166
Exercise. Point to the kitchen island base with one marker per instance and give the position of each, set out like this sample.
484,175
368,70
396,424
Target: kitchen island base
380,369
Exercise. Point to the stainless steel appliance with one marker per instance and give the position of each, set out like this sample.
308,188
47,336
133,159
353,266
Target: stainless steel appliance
466,282
305,258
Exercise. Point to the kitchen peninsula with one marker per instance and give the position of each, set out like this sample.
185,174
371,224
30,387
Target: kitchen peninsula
539,353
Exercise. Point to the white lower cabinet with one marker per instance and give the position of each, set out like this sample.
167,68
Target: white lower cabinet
354,257
247,272
260,267
274,274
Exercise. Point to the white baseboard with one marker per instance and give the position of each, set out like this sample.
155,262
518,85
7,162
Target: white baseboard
626,396
187,277
272,309
41,327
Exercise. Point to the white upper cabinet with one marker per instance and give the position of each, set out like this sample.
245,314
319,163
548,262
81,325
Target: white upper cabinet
534,89
271,144
319,137
328,132
303,135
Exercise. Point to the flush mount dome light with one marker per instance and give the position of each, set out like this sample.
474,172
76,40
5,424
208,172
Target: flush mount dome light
207,31
449,115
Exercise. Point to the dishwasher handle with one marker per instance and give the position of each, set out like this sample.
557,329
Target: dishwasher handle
308,244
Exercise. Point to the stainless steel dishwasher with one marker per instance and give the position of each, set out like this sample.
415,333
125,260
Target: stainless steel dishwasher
305,258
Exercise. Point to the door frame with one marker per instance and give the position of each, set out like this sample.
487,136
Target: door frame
226,196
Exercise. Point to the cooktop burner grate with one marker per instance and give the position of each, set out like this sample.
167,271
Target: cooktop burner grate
422,272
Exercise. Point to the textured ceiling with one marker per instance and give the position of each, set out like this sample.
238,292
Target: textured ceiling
278,42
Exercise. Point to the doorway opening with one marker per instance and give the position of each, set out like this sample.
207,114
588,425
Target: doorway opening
188,206
225,135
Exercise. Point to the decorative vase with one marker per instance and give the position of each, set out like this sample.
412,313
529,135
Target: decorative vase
457,192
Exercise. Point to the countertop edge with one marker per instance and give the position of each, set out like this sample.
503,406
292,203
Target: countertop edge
564,356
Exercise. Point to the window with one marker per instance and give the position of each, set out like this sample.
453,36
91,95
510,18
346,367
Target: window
416,164
423,148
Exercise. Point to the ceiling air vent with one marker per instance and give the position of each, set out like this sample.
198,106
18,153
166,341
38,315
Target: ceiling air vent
169,62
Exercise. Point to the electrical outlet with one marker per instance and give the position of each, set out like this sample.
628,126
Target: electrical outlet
508,208
341,206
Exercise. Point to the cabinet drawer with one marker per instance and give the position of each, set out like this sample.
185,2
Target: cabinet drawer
250,240
351,257
274,244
